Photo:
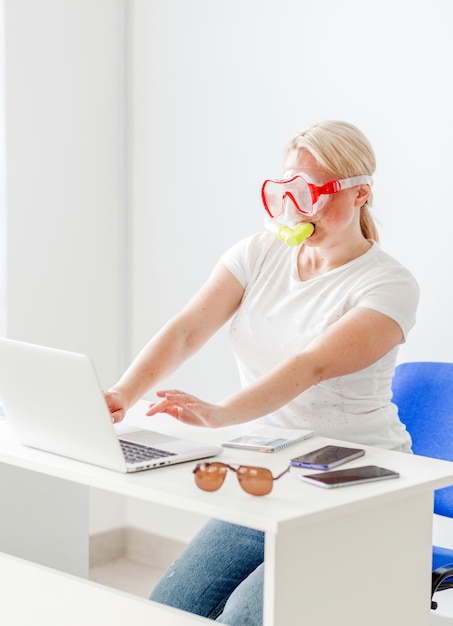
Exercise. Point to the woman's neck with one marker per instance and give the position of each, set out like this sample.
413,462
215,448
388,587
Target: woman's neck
315,261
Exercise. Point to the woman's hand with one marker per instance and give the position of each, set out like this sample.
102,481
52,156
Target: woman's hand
117,405
189,409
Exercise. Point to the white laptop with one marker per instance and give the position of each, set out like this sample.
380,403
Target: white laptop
54,402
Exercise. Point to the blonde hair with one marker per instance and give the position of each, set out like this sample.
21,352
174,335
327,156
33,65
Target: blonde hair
344,151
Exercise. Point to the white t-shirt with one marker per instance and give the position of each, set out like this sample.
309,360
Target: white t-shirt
280,314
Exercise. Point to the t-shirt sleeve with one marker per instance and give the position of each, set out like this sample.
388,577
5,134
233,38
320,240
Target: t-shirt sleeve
245,258
395,293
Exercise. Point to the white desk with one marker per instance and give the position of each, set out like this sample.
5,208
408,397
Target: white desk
359,554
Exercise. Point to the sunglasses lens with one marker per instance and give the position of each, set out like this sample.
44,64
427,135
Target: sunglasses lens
255,480
210,476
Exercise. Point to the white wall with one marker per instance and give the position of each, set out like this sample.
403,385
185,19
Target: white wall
3,236
211,93
63,272
65,176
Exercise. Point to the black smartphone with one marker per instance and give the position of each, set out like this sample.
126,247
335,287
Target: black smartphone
327,457
350,476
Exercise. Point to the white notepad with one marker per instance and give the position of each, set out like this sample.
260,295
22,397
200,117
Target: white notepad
269,438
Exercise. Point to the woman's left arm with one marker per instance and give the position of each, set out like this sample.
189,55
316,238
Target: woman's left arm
357,340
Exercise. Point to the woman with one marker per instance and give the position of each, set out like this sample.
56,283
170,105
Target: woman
316,331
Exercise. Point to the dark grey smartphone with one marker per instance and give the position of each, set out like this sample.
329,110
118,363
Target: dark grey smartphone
327,457
350,476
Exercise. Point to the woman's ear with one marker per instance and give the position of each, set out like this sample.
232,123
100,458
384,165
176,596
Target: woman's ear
363,193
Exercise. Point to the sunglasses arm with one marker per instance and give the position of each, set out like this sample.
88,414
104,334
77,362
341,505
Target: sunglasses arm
283,473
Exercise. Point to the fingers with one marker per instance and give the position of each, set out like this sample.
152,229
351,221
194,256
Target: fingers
176,410
171,405
179,405
115,406
164,392
171,396
117,416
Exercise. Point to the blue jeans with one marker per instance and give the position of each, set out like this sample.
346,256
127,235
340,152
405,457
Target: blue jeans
219,575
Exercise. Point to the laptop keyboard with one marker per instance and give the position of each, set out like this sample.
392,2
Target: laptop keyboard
134,452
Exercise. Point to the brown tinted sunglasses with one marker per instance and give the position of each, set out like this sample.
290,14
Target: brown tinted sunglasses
257,481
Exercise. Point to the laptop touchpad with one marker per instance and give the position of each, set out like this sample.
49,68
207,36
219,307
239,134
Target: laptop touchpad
146,437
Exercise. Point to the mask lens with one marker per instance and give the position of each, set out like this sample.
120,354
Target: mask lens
255,480
210,476
276,193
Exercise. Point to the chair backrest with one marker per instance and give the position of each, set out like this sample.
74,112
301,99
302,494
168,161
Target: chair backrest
423,392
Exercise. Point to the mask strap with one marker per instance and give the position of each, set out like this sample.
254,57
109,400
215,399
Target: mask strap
347,183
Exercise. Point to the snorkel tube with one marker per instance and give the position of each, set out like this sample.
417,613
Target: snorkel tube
291,236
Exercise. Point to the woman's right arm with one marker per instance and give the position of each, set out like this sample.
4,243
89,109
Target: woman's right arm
209,309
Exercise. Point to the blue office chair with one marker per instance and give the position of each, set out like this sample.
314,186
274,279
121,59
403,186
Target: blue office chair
423,392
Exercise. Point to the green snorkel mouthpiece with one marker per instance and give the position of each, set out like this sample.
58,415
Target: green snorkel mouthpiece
291,236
